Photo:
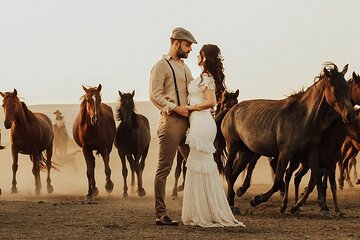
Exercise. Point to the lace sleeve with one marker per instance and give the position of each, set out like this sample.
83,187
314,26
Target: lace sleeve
207,83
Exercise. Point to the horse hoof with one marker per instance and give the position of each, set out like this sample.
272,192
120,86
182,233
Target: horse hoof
14,190
125,195
109,186
240,191
235,210
282,194
293,210
95,192
180,188
255,201
141,192
358,182
0,191
325,213
88,199
283,209
50,189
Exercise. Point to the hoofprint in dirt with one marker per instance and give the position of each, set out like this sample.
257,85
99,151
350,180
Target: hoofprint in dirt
60,216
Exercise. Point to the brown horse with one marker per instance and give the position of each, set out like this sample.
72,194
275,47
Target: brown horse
227,100
31,134
329,155
94,130
285,129
132,140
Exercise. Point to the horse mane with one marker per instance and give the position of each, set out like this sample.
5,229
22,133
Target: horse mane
29,115
83,111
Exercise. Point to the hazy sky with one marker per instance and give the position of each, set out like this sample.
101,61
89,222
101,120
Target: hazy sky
49,48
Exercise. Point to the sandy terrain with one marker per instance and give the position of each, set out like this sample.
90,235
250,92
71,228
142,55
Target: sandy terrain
64,215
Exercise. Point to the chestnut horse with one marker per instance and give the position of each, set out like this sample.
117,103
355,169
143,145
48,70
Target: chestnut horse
227,100
285,129
94,130
31,134
132,141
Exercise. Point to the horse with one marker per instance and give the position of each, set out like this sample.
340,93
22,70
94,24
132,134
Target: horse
61,139
227,100
354,83
132,141
330,153
31,134
94,130
284,129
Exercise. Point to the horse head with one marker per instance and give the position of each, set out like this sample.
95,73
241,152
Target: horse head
92,101
228,99
126,106
355,88
11,105
337,92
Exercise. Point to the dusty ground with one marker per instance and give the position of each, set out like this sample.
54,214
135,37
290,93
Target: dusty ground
63,214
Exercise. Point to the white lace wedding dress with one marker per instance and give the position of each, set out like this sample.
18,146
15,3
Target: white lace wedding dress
204,200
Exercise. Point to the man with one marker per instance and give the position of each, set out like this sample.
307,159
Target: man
168,92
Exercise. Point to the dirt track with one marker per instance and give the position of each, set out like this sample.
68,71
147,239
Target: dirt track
63,215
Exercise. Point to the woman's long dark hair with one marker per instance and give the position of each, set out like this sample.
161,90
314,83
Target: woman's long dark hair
213,65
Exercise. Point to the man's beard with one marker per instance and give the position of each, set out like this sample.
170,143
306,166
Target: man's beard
181,54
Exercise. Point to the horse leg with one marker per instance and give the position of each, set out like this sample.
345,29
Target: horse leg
332,181
280,170
354,162
179,160
181,187
109,185
14,169
141,191
228,174
124,173
49,152
133,169
298,176
347,171
253,158
90,167
289,171
310,187
36,171
341,165
273,164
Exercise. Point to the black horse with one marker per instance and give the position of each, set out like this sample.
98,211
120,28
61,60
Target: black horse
132,140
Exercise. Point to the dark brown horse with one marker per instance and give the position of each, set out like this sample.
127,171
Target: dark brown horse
31,134
285,129
94,130
329,155
227,100
132,141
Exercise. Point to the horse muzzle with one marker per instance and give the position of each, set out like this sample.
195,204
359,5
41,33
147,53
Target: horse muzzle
7,124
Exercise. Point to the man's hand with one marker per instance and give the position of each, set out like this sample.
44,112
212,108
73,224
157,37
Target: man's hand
182,111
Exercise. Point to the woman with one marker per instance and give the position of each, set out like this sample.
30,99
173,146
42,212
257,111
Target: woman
204,201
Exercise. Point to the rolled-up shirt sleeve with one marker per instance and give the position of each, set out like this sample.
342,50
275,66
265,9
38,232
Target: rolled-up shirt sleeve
157,92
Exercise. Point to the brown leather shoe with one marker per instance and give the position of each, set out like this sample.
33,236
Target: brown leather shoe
166,220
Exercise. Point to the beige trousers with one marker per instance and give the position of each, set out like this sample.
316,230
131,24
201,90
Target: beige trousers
171,132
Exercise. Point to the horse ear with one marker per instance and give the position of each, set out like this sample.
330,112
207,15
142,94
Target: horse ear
353,75
99,87
237,93
327,73
85,89
2,94
345,69
15,92
120,93
133,93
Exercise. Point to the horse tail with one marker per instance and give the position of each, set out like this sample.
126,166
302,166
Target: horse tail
43,160
220,144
